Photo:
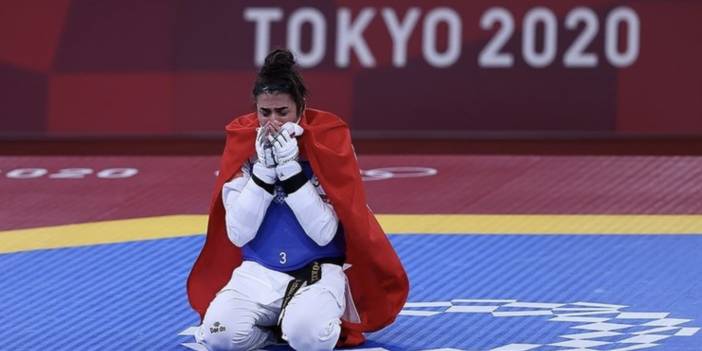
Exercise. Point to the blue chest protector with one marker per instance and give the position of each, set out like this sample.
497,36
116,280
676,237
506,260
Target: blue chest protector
281,244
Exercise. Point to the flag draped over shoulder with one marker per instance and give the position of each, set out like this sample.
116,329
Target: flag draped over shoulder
378,282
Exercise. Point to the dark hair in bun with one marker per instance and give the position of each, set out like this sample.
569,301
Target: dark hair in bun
278,75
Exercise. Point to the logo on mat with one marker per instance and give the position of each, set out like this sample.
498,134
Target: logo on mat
592,326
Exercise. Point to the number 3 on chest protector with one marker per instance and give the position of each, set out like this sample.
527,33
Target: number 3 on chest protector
283,257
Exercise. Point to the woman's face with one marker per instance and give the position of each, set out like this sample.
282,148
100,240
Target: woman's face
276,108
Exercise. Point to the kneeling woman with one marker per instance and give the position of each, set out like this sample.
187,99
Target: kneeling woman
292,252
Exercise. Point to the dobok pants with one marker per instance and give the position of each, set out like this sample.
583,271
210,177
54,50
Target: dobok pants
243,313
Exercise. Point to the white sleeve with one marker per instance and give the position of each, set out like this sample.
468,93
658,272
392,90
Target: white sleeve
316,216
245,204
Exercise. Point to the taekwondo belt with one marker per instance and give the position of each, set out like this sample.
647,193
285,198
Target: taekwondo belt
307,275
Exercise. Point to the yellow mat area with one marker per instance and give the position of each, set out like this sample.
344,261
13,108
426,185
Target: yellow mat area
117,231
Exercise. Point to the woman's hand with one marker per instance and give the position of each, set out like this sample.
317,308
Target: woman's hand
293,129
285,147
264,150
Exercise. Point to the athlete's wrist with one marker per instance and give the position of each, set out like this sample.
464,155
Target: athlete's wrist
291,176
265,174
288,169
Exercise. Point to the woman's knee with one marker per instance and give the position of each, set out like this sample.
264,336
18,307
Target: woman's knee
220,336
310,335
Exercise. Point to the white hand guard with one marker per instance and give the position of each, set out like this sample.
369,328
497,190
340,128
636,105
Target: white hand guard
284,146
287,170
264,150
293,129
266,174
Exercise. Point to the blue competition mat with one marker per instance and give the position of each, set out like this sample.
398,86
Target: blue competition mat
468,292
